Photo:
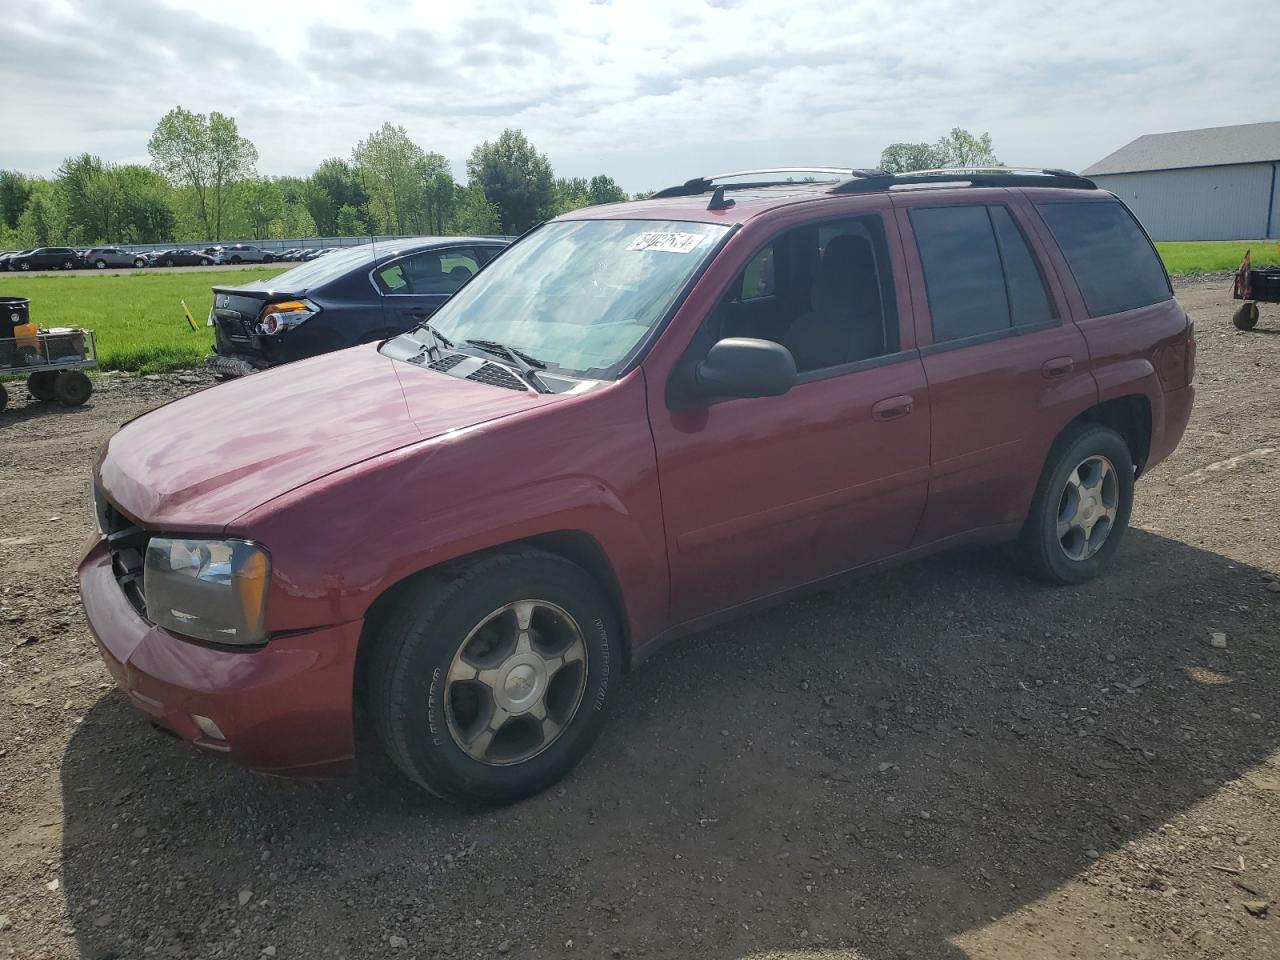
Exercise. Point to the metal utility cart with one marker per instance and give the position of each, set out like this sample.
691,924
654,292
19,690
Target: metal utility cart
53,361
1253,285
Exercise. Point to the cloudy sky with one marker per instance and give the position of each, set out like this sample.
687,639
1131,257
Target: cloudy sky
650,91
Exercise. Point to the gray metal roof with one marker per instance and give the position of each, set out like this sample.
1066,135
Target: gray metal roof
1211,147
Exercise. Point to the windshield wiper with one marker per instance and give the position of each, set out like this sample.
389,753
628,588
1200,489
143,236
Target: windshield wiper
438,340
527,365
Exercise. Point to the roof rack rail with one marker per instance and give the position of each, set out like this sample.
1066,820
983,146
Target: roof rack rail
699,185
969,176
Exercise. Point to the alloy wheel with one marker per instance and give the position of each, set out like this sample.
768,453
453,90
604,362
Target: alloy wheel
516,682
1088,508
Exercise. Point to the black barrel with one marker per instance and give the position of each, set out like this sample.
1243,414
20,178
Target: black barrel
14,312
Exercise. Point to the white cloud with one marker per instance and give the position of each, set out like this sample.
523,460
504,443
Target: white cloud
651,91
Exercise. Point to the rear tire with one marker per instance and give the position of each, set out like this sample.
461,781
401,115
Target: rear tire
24,265
268,259
1246,318
467,737
168,262
236,260
1081,507
41,385
72,388
100,264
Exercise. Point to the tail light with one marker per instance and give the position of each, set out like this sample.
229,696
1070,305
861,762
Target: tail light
1176,359
278,317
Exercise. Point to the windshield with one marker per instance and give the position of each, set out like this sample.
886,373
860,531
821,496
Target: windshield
326,268
580,295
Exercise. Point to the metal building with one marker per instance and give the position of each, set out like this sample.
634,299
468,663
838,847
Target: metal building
1222,183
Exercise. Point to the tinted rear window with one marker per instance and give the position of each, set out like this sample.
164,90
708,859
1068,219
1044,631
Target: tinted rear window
1113,262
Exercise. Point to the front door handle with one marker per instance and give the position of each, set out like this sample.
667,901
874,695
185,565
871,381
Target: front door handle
893,408
1057,367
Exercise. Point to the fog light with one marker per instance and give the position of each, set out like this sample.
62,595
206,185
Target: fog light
208,727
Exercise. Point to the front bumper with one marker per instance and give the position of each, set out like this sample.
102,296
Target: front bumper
285,708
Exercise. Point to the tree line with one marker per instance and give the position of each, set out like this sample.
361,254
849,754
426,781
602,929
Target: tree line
203,184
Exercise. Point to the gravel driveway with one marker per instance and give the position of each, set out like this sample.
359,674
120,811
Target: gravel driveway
944,761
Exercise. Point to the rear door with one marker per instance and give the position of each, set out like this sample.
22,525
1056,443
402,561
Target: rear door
1006,367
414,286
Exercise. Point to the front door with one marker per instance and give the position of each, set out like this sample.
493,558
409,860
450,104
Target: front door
1006,367
760,495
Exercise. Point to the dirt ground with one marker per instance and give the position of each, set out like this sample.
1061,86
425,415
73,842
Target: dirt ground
942,761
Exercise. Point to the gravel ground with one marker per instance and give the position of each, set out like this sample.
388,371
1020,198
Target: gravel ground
942,761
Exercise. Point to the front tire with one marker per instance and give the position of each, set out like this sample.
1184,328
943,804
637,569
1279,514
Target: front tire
1081,507
493,679
139,263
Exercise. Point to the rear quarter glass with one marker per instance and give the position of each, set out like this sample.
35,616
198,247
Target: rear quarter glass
1114,263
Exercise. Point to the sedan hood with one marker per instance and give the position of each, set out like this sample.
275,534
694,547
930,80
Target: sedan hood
198,463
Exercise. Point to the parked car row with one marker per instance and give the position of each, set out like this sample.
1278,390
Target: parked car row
639,420
100,258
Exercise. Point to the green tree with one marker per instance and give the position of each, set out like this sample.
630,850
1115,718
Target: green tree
335,184
438,193
391,168
262,204
570,194
205,153
15,190
603,189
905,157
43,221
515,178
474,215
959,148
146,213
93,199
350,222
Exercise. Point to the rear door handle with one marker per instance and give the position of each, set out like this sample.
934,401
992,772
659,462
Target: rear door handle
893,408
1057,367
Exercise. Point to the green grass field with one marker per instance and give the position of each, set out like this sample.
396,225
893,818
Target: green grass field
138,317
140,325
1212,256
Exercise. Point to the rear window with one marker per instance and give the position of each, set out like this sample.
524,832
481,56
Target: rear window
1113,262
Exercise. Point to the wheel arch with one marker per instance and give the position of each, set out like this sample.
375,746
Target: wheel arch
1129,416
577,546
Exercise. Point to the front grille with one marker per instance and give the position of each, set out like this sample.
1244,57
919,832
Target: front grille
128,544
497,376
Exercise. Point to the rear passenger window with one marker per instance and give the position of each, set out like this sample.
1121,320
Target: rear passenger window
1113,262
980,276
1028,300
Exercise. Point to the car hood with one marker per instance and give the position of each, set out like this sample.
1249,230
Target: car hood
198,463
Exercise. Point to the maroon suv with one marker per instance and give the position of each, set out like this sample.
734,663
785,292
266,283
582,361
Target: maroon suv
639,419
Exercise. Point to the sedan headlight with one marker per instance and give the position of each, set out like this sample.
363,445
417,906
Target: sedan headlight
214,590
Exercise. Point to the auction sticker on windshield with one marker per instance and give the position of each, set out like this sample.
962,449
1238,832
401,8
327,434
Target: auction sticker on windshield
666,242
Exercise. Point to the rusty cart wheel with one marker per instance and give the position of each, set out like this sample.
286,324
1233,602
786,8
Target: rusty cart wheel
1246,318
72,388
41,385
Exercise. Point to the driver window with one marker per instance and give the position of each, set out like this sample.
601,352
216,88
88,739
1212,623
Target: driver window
825,292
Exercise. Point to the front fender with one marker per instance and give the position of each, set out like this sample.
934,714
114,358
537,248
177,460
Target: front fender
584,466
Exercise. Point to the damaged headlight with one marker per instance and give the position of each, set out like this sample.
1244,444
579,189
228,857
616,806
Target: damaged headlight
278,317
214,590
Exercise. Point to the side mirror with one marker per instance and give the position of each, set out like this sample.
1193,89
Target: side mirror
740,367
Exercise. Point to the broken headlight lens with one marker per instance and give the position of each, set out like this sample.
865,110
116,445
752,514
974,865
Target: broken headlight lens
214,590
